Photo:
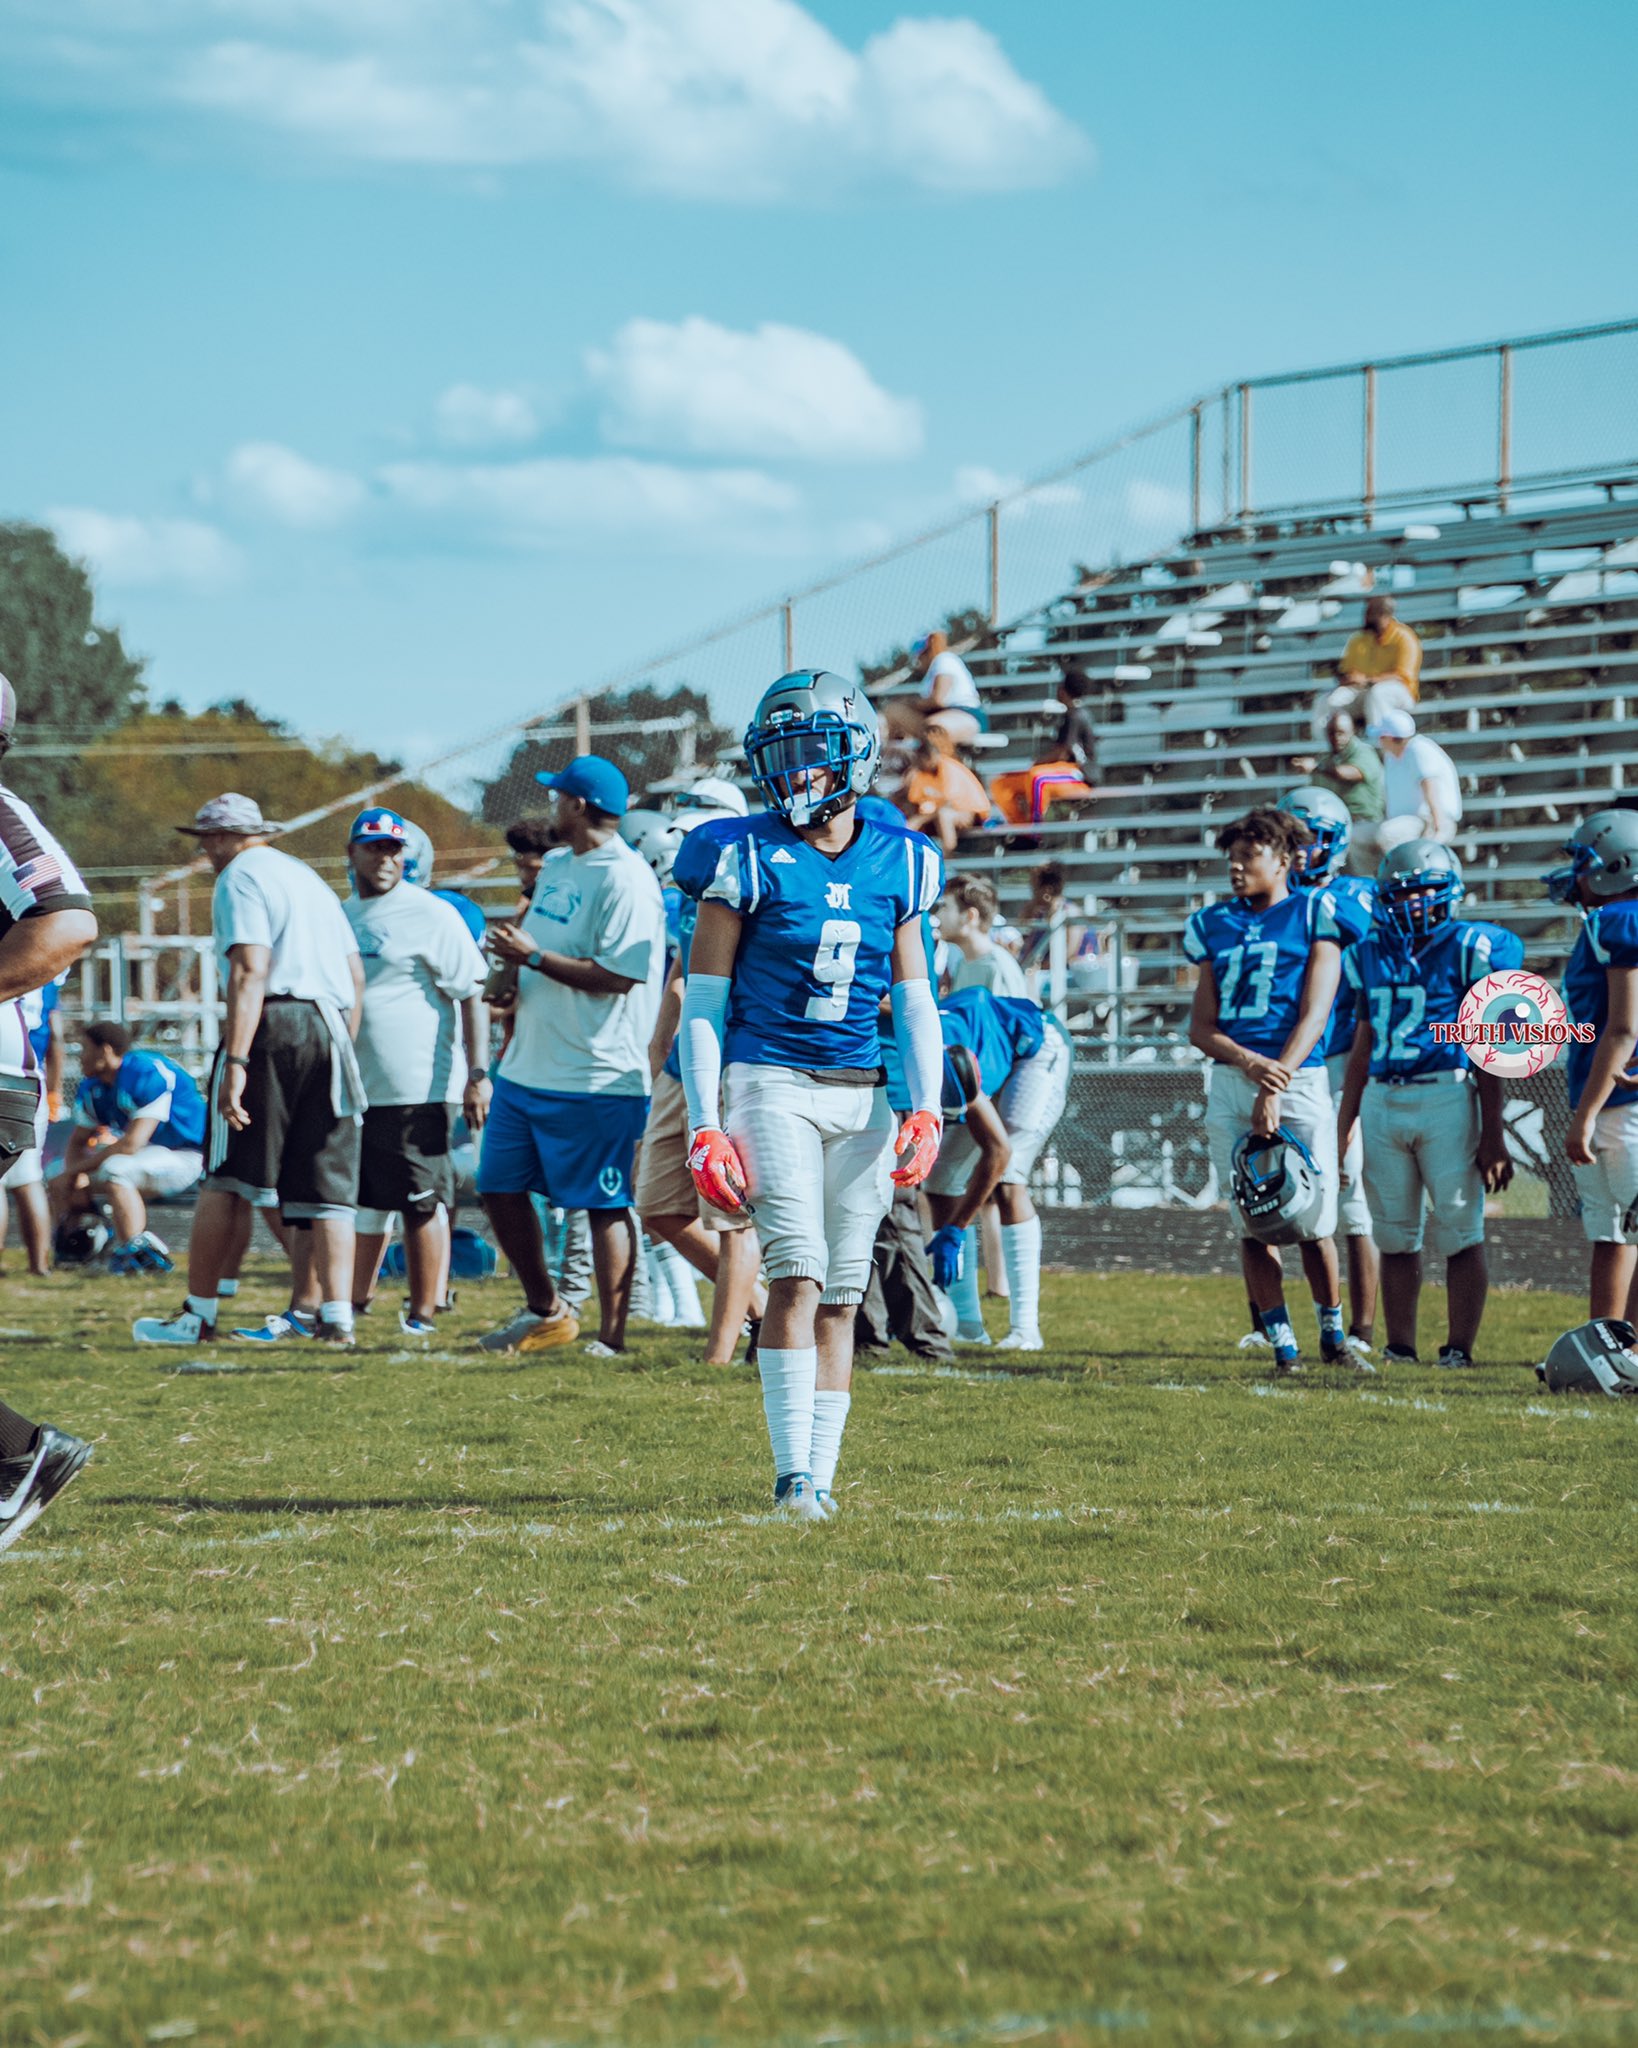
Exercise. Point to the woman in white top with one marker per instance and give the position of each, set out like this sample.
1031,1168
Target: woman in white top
951,696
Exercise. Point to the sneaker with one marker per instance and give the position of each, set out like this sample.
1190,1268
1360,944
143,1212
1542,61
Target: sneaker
510,1336
1335,1354
333,1333
1395,1356
1453,1359
1287,1363
796,1499
1360,1346
277,1329
1253,1340
416,1326
150,1254
829,1506
546,1333
594,1347
1020,1340
972,1333
183,1328
29,1484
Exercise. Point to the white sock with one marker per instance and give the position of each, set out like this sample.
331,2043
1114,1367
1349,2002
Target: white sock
204,1307
685,1289
1021,1255
336,1312
829,1420
787,1401
964,1293
662,1306
226,1289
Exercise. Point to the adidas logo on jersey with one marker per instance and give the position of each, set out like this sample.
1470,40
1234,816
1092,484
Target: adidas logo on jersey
781,853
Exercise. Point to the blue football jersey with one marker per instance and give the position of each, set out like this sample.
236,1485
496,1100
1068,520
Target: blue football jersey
816,954
1259,958
146,1085
998,1031
1404,990
1355,900
1609,938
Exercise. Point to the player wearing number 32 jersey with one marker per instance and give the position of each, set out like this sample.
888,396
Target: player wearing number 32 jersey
808,917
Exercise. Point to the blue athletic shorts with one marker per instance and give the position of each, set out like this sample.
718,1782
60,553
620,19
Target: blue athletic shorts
576,1150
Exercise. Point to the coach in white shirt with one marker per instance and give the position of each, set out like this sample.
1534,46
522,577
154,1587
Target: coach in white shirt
421,1050
284,1095
1422,789
571,1095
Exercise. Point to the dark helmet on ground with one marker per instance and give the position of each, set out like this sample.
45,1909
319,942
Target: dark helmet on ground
811,720
1418,887
1594,1358
1605,850
1328,822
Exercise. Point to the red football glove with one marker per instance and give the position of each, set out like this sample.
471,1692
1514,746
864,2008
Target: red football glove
919,1137
717,1169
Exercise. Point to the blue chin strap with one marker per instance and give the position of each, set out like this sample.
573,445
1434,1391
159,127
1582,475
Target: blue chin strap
1414,908
780,756
1562,885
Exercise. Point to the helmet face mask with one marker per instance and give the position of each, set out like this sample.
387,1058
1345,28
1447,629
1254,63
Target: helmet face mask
1277,1188
812,728
1328,821
1419,886
1603,861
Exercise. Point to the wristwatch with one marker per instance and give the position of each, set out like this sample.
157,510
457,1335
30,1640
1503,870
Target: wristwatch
536,961
477,1073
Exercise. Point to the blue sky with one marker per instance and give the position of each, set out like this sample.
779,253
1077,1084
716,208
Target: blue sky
404,365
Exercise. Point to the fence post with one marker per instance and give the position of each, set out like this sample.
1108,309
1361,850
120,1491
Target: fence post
582,725
1228,460
993,519
1195,433
1245,451
1504,452
1370,440
787,614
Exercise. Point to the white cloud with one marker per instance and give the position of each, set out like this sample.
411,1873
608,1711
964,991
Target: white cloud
1157,508
739,100
127,552
974,484
567,495
780,391
280,484
467,417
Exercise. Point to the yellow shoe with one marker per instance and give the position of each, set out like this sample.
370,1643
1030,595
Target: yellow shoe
548,1334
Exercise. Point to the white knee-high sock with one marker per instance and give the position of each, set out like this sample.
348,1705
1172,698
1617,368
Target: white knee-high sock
829,1420
964,1293
788,1379
1021,1252
679,1276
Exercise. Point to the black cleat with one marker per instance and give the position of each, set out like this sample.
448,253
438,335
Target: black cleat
1396,1354
753,1330
28,1485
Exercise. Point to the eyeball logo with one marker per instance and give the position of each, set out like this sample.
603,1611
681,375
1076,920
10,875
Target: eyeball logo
1513,1024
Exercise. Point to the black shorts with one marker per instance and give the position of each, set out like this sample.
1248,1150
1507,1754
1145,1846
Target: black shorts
407,1164
297,1153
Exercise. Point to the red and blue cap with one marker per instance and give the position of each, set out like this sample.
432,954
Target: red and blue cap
378,827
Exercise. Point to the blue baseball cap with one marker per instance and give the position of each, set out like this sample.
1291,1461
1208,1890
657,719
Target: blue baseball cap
374,827
595,781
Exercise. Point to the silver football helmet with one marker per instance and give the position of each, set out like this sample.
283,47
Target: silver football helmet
1605,851
1418,887
655,837
1329,822
1277,1188
1600,1357
809,723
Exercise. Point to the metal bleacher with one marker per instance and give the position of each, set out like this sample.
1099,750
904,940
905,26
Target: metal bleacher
1208,661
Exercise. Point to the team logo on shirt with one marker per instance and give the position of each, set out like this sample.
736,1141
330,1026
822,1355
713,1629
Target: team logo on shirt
1512,1025
837,895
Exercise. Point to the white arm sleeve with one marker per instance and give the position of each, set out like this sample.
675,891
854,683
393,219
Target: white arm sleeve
920,1039
699,1041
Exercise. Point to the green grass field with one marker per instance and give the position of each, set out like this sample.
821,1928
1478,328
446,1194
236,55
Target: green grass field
440,1698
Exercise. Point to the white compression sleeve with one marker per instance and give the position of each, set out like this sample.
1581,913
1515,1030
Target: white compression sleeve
920,1039
699,1041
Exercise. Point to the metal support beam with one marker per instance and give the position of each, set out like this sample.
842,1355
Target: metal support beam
787,615
1504,434
993,522
1196,433
582,725
1245,451
1228,460
1370,440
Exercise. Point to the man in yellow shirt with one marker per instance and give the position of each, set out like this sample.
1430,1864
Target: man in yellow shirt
1381,666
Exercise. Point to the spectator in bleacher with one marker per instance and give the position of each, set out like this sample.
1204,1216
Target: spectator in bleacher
1066,769
966,921
1354,770
950,697
940,795
1381,666
1422,790
1046,904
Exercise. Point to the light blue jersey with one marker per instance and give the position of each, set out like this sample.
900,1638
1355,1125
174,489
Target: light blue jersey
1609,938
998,1031
815,956
147,1085
1404,990
1258,959
1355,899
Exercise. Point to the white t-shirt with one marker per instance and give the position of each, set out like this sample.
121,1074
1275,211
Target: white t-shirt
995,970
604,906
962,693
36,875
264,898
420,964
1423,760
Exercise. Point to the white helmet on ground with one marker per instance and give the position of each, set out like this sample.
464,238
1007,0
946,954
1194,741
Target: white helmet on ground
1600,1357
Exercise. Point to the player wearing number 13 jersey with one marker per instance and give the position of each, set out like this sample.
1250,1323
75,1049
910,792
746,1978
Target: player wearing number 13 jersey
808,917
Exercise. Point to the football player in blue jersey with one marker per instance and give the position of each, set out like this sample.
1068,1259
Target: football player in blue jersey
1006,1080
1270,960
1431,1122
1601,989
1320,865
808,917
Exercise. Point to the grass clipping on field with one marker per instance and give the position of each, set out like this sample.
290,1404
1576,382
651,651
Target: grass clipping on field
424,1698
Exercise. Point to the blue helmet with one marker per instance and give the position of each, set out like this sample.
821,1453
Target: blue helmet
808,721
1327,819
1605,850
1418,887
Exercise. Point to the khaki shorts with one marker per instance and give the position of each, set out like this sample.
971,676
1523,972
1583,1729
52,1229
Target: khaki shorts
1609,1187
665,1187
1421,1166
1305,1111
